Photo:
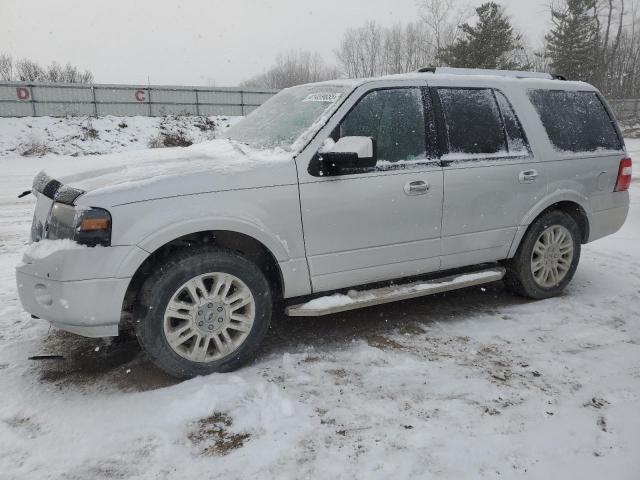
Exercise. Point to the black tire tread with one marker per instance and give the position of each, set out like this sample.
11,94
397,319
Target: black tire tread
518,278
147,322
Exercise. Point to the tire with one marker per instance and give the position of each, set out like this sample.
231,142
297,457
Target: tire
526,271
186,307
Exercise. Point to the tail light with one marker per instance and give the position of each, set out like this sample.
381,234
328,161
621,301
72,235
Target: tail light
624,175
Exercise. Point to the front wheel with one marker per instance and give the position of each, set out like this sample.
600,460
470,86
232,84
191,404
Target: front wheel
547,257
204,312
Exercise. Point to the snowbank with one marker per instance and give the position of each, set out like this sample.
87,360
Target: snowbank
76,136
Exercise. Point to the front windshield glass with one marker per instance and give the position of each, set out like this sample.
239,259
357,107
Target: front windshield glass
283,120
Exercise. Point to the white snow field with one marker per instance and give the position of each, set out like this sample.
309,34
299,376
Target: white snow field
474,384
77,136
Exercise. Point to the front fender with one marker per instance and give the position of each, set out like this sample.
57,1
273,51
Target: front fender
277,246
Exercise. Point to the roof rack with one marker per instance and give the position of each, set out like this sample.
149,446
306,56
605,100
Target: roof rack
480,71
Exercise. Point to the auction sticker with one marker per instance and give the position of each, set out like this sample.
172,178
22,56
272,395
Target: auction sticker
322,97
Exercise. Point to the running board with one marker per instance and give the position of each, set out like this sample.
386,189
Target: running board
367,298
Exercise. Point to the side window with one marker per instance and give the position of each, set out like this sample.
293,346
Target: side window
473,121
575,121
516,139
394,118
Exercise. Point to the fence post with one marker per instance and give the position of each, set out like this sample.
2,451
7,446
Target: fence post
33,100
95,104
197,102
149,100
242,103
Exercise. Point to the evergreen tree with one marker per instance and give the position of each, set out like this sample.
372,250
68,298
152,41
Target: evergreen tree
491,43
573,42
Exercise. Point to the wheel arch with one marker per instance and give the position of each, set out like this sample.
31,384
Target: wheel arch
246,245
573,206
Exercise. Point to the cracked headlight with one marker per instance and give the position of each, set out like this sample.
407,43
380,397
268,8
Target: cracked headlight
87,226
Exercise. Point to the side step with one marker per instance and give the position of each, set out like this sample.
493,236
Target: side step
367,298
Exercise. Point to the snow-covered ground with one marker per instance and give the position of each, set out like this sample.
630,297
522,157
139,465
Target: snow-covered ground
470,384
77,136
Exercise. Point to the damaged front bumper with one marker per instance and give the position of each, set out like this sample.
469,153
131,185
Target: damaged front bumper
80,290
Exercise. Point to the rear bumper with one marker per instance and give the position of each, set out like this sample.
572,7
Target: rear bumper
91,308
607,222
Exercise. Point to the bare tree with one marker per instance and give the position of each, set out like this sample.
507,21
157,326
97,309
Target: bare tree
293,68
29,71
6,67
609,15
72,74
373,50
443,18
54,73
361,51
26,70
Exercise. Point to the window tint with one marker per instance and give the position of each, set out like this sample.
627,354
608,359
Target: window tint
473,121
575,121
515,136
394,118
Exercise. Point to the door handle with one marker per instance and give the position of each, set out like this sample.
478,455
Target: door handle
418,187
528,176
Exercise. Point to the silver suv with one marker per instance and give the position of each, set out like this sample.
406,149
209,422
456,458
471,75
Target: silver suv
466,176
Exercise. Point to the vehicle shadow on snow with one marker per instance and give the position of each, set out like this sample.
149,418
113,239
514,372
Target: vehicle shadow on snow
119,363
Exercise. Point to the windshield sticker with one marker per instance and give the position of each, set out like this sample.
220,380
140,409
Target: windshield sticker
327,97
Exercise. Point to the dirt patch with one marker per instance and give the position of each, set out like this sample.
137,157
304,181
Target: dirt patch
384,343
68,359
213,436
79,360
24,425
107,470
411,329
338,372
311,359
597,402
602,423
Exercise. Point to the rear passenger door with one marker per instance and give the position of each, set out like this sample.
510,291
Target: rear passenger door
491,176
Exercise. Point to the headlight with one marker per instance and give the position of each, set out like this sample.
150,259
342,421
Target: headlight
87,226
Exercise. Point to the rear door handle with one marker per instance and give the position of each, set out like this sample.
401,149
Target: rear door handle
418,187
528,176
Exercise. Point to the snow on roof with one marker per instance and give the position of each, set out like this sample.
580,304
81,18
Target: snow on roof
539,79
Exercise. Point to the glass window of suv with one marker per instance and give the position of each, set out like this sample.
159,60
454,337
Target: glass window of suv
473,122
516,139
394,118
575,121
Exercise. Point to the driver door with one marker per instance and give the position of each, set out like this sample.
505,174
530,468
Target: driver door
382,224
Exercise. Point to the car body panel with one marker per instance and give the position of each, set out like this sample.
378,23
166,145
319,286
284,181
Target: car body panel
363,228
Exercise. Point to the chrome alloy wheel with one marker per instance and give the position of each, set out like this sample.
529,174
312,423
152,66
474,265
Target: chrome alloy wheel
209,317
552,256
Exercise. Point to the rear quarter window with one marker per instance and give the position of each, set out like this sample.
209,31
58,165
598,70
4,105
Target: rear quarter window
575,121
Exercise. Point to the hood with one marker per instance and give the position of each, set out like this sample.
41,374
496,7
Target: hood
216,165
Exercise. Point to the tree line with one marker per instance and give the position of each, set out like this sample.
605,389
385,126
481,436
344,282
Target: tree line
597,41
26,70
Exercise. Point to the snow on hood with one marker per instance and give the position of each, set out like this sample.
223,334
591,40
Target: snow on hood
156,173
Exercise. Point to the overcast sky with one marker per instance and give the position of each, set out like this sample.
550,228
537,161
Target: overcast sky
200,42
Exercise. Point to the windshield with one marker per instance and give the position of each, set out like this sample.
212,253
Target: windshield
284,119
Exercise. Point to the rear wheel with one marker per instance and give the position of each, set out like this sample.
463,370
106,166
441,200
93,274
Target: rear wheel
204,312
547,257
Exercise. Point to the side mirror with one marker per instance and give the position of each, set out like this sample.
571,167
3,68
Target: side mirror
348,155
